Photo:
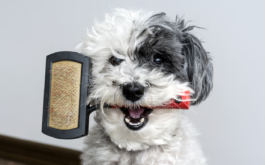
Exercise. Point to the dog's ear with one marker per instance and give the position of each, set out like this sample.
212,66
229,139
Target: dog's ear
200,68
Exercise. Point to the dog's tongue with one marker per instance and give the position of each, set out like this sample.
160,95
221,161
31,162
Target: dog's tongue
136,112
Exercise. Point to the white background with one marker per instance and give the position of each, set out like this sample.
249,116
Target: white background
231,121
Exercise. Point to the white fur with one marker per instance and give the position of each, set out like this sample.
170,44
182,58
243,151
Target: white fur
168,137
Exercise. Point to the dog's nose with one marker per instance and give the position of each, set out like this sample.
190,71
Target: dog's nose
133,91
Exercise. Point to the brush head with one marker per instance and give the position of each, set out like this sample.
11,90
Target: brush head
66,89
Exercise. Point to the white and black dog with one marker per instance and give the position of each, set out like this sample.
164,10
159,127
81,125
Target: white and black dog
142,60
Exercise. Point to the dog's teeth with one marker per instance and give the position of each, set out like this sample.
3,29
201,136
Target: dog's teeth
127,120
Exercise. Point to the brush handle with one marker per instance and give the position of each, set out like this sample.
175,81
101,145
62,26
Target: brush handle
182,103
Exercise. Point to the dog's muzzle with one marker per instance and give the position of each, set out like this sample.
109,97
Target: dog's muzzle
135,118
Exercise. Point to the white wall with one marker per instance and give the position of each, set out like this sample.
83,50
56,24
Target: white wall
231,121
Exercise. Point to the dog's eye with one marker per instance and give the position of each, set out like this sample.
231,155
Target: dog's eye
115,61
158,60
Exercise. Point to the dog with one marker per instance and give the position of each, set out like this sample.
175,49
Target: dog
142,60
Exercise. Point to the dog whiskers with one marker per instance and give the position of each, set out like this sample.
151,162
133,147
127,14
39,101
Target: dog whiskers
147,83
157,86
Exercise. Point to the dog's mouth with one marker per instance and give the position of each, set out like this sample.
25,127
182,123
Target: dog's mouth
136,118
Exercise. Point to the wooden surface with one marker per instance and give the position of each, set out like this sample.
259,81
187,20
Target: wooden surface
8,162
32,153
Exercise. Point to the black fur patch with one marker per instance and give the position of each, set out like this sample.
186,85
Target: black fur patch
181,52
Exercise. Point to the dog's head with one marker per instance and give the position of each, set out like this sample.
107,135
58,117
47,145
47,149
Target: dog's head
143,60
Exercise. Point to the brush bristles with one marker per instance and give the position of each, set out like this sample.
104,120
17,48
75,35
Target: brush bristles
65,95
